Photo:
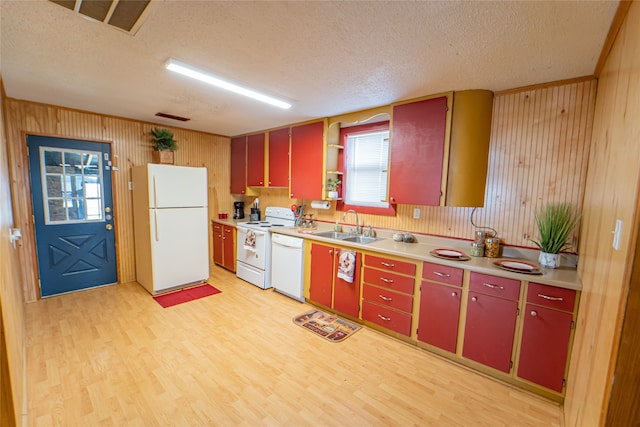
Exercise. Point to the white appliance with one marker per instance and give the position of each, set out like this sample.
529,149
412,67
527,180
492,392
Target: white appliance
287,258
171,226
253,254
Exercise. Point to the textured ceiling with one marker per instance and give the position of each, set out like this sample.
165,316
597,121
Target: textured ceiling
326,57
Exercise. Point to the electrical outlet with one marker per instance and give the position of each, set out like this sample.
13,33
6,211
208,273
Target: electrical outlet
416,213
130,185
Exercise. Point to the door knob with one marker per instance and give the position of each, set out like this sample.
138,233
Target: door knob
109,226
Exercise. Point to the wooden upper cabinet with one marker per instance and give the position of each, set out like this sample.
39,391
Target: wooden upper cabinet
239,165
307,151
255,160
417,152
469,148
279,158
440,150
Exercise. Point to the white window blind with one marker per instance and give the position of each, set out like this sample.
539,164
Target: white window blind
367,164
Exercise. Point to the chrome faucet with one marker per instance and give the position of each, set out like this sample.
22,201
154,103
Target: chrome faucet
358,231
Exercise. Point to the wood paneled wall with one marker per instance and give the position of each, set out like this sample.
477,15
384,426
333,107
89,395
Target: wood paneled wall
11,302
611,193
539,147
129,146
539,150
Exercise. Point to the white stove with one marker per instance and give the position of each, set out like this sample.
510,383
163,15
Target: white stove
253,253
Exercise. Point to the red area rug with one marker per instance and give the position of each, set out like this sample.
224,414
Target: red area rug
186,295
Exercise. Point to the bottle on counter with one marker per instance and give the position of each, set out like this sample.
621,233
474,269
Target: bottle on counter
477,249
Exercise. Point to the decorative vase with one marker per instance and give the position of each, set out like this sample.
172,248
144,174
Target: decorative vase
549,260
333,195
164,157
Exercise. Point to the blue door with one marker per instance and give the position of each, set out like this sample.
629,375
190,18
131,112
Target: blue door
73,213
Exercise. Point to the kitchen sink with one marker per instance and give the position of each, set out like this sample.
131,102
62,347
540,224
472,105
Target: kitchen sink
332,235
346,237
359,239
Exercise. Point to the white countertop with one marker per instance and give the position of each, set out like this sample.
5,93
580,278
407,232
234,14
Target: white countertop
564,277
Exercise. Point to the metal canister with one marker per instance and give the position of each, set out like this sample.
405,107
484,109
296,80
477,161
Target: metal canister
480,236
491,247
477,249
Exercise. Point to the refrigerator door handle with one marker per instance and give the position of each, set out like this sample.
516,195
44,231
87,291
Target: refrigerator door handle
155,212
155,192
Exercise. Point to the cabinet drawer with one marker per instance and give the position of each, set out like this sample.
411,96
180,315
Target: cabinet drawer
551,296
387,318
388,298
442,274
389,280
390,264
494,285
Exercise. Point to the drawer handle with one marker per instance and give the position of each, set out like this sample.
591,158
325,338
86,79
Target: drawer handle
382,297
534,313
489,285
551,298
386,319
386,280
386,264
437,273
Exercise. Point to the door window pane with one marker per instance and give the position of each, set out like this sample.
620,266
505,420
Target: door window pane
53,161
73,185
56,210
54,186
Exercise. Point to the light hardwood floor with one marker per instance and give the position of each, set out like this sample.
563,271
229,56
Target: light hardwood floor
113,357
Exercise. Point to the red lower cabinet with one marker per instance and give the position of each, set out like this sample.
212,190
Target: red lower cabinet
439,315
327,288
388,318
546,334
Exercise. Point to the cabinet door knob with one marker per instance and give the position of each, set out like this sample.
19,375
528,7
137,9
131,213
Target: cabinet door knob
474,299
534,313
330,251
455,294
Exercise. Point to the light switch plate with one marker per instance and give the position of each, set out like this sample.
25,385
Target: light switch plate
416,213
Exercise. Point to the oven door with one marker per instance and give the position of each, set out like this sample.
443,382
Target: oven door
253,250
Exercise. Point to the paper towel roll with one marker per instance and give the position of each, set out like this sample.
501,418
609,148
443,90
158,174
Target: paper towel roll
320,204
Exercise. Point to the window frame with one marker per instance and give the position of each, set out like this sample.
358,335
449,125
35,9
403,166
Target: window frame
341,205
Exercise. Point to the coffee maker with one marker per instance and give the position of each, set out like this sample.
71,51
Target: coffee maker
238,210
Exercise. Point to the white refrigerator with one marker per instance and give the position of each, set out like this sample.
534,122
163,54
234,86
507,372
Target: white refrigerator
171,226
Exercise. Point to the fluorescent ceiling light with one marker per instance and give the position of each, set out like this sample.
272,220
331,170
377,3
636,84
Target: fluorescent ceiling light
203,76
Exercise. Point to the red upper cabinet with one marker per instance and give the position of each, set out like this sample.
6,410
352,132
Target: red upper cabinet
239,165
417,152
307,151
255,160
279,158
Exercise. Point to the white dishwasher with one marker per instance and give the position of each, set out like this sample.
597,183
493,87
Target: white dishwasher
287,265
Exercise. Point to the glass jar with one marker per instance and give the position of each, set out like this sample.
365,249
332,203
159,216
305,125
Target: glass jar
477,249
492,247
480,236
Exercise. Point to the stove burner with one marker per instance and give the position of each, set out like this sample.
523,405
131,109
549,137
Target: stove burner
253,222
277,225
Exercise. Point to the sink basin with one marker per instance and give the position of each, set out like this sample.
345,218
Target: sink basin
359,239
332,235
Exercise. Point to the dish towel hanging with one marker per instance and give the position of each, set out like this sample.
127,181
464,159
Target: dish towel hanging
250,241
346,265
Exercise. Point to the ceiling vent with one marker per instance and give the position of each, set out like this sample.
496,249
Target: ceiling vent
126,15
172,117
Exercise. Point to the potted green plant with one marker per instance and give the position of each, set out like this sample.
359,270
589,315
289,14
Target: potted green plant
555,224
332,188
163,145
